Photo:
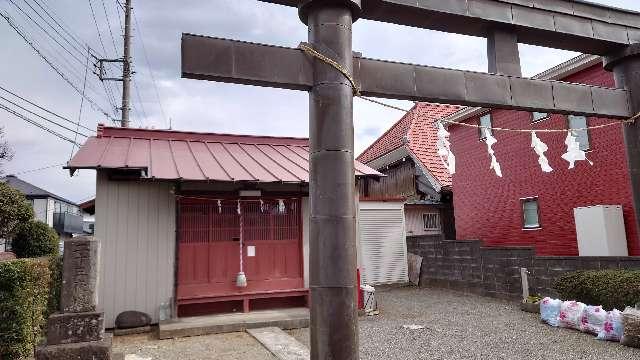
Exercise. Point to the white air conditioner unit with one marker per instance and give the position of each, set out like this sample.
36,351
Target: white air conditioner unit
600,231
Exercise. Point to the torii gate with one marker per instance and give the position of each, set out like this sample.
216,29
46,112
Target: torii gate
571,25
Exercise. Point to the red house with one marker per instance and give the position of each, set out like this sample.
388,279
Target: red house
527,206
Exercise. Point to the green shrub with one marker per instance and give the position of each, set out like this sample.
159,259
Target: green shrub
14,210
613,289
24,292
55,284
34,239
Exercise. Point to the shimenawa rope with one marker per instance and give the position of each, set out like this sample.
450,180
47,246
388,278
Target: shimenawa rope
356,92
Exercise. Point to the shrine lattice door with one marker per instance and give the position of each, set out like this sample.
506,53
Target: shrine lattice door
209,247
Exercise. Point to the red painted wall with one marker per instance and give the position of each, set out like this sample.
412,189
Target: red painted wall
488,207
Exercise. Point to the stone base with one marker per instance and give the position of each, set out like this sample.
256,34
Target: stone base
94,350
67,328
132,331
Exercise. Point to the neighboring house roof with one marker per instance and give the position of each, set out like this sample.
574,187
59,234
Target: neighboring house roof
31,191
177,155
416,131
89,206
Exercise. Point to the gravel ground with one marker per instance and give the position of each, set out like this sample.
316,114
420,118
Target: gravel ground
457,326
233,346
460,326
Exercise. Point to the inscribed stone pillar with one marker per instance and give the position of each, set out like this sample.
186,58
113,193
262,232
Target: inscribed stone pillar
80,275
77,332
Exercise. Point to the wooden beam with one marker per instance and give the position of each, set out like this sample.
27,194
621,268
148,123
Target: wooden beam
240,62
570,25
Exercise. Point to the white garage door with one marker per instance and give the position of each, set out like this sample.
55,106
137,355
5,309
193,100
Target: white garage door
383,247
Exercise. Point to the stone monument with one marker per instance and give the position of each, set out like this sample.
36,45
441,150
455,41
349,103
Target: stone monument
77,332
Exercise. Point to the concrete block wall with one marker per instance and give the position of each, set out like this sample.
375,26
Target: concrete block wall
466,265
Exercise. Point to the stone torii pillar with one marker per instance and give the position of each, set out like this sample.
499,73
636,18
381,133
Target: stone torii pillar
625,65
332,260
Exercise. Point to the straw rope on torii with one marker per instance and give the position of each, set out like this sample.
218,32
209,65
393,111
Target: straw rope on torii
573,154
356,92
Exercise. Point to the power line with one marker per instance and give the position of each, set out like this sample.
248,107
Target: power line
62,75
32,122
63,61
93,15
153,78
43,118
61,24
52,27
46,32
144,113
43,109
39,169
106,15
84,86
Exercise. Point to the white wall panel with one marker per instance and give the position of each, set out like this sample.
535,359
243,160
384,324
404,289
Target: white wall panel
135,223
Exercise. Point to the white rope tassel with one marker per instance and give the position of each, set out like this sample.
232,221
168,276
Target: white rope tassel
444,149
540,148
219,207
574,153
241,278
490,140
281,206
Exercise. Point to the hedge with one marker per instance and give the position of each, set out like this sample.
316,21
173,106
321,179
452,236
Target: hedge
34,239
613,289
25,289
55,284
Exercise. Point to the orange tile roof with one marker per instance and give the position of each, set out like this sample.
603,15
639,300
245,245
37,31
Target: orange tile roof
416,129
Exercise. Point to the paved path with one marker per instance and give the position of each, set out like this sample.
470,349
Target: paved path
281,344
232,346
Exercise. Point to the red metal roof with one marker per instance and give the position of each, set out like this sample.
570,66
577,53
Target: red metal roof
416,129
176,155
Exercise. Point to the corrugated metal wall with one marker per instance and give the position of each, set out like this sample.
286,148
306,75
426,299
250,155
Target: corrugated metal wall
383,248
135,223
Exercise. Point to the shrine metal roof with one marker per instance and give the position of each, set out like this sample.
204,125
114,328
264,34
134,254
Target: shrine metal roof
192,156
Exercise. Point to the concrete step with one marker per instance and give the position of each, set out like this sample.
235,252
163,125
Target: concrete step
282,345
294,318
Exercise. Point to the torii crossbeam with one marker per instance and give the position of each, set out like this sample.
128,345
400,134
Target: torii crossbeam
570,25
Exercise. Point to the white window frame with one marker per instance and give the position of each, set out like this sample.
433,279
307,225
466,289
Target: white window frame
481,131
523,202
576,133
535,119
437,221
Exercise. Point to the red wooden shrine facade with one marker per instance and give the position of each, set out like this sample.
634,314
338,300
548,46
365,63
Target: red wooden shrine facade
216,236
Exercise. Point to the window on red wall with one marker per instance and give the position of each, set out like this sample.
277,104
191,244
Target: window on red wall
538,116
485,123
530,213
582,135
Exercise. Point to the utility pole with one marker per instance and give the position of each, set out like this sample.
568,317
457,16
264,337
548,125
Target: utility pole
101,70
126,65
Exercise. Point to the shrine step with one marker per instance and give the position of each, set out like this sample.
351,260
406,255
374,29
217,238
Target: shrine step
293,318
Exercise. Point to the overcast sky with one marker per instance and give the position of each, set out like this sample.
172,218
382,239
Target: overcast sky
190,104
